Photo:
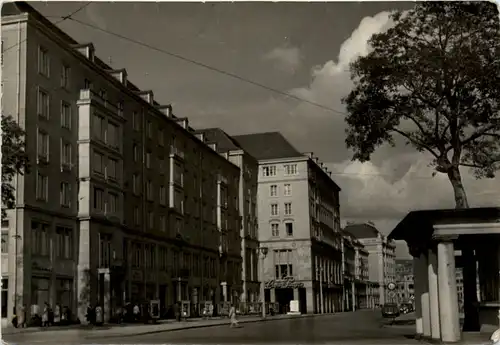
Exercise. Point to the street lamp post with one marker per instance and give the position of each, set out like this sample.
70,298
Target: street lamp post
263,252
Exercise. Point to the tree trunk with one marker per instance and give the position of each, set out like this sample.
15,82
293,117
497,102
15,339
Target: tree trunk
471,320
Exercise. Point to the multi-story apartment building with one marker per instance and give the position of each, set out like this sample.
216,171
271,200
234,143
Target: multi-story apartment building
299,224
123,202
381,258
355,268
249,170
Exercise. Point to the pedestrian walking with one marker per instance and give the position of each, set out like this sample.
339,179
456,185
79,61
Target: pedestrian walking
45,315
232,317
57,314
21,316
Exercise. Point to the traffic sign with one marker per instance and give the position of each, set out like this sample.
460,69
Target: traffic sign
391,286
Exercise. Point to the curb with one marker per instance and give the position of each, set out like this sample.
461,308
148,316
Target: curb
214,324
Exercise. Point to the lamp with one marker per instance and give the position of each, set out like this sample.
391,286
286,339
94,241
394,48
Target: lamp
263,251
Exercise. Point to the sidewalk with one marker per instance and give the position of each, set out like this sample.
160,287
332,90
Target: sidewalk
110,331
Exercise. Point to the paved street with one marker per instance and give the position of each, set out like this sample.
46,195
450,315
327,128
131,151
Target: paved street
344,328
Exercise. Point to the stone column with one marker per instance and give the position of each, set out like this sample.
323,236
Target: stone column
433,294
419,290
353,294
106,298
448,303
424,297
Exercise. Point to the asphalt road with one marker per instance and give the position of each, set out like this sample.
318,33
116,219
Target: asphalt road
363,327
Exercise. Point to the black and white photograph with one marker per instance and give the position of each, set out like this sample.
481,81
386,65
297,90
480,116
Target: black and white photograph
250,172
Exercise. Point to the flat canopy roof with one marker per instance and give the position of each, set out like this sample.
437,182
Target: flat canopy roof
418,225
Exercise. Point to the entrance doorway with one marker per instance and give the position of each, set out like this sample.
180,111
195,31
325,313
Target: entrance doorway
283,298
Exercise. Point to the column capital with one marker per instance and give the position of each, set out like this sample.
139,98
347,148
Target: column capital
444,238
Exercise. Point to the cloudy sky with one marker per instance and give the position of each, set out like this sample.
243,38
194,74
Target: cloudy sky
299,48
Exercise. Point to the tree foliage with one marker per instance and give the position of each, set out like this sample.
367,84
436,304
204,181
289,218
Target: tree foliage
14,160
433,79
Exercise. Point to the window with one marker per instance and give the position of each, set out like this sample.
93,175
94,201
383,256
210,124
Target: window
5,242
88,85
149,190
98,163
148,160
43,61
39,238
65,74
111,168
289,229
275,229
112,135
103,94
65,115
98,127
136,153
104,250
287,190
274,209
288,208
273,190
137,216
163,223
43,104
98,199
150,129
269,171
65,197
290,169
43,146
42,187
136,184
112,204
283,261
136,121
161,139
151,219
64,242
65,154
161,166
163,195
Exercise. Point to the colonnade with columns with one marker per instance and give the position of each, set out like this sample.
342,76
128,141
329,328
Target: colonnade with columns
436,302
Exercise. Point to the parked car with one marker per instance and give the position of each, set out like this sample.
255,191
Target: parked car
406,308
390,310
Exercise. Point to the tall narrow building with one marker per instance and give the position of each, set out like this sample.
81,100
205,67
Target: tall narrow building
299,225
249,169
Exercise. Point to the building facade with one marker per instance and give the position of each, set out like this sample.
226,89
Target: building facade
102,219
405,281
299,224
381,258
249,170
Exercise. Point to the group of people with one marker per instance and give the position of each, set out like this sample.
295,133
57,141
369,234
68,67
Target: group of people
47,317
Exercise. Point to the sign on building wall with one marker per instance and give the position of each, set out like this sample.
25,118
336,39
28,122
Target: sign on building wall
285,283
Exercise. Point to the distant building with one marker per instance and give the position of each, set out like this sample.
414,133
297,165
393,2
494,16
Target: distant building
249,170
356,292
299,223
404,280
381,257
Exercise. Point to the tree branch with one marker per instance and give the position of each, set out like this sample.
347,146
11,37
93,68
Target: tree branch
416,142
478,134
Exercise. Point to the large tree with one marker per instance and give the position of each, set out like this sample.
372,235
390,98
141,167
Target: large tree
14,160
433,80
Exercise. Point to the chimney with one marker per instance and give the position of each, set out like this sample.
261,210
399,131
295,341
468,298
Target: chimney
120,75
147,95
86,49
201,137
185,123
165,109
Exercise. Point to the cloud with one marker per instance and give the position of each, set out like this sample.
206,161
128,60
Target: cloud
396,180
287,58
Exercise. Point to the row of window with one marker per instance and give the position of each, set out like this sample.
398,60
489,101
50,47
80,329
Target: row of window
288,170
287,190
41,238
42,190
45,70
275,229
43,108
43,145
107,202
275,211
